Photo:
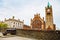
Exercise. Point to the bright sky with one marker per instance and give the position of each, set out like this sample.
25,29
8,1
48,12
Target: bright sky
25,9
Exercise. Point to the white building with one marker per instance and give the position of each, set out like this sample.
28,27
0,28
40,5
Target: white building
13,23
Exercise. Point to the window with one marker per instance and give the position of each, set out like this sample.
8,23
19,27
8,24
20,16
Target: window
48,13
13,26
18,23
14,22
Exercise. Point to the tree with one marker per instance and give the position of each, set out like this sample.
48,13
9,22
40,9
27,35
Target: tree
3,25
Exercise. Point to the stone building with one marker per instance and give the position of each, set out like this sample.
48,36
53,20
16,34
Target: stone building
37,23
13,23
49,18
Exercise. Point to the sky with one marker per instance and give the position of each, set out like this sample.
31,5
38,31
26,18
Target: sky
25,9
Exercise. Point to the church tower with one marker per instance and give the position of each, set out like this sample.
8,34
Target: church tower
49,18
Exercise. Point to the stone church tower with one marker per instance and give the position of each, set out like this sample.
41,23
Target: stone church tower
49,18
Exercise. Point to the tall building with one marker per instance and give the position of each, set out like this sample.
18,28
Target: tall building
13,23
49,18
37,23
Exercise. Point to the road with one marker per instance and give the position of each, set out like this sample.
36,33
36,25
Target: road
15,38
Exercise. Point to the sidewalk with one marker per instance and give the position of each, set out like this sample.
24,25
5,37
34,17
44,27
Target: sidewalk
13,37
1,34
16,38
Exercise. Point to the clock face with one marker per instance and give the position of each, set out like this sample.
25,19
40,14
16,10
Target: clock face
48,10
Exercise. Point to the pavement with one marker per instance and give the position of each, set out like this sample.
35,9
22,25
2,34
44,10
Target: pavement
1,34
13,37
16,38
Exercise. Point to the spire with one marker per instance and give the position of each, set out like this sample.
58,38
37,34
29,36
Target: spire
48,5
13,17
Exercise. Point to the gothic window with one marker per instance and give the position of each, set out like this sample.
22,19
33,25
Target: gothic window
37,24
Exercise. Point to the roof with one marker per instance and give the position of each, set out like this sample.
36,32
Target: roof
14,20
26,27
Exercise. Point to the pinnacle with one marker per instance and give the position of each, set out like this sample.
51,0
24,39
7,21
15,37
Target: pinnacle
48,5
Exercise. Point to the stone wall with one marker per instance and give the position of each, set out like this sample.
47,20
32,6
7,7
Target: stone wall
40,35
3,29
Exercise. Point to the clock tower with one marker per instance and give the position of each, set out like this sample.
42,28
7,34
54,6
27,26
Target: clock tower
49,18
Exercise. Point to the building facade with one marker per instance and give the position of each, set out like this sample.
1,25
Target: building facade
37,23
13,23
